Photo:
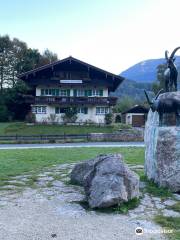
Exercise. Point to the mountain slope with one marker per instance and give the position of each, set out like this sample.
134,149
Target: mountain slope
133,90
145,71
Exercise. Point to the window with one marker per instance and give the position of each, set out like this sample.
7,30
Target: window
97,92
55,92
80,93
42,92
102,110
88,93
39,109
83,110
63,93
59,110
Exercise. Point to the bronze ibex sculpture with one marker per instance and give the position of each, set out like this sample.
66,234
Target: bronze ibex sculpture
165,105
171,72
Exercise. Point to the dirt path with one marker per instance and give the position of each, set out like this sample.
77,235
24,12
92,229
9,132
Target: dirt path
52,210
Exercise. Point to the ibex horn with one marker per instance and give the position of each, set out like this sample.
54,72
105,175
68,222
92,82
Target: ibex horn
166,55
173,52
150,103
157,95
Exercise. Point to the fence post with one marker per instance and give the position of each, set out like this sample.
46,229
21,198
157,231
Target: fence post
16,136
87,137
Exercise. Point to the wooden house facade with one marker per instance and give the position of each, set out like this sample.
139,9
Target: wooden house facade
71,84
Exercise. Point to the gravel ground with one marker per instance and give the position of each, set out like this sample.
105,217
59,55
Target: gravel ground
52,211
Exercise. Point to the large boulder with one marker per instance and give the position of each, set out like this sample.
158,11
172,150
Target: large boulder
81,169
162,157
108,181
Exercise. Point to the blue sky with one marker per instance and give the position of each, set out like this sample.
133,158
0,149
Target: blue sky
111,34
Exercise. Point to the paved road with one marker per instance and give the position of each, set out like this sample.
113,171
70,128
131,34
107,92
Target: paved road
73,145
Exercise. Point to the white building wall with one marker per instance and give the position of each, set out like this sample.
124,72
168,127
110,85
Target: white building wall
105,92
38,91
50,110
50,113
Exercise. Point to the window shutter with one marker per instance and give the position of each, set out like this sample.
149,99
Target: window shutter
86,93
57,110
85,110
89,92
42,92
75,92
101,92
53,92
68,92
57,92
46,91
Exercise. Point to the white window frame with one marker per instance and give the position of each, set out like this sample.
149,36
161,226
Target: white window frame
63,92
96,92
102,110
80,93
80,110
39,109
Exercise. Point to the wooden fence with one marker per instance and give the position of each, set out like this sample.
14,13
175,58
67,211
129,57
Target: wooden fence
123,136
44,137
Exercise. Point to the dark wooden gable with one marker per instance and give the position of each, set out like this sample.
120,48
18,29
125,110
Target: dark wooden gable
72,69
137,109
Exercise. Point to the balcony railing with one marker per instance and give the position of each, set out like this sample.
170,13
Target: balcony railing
72,100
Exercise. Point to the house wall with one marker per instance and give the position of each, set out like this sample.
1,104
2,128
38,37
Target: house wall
50,111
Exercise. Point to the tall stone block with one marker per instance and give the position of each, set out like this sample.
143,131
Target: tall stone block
162,154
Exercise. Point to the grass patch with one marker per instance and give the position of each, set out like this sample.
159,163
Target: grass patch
171,223
22,128
21,161
121,208
175,207
49,184
125,207
153,189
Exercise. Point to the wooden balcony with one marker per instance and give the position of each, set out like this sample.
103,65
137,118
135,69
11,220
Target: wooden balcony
109,101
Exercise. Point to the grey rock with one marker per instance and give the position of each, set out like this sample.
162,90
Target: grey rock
162,157
169,202
159,205
142,185
81,169
176,196
170,213
110,182
57,183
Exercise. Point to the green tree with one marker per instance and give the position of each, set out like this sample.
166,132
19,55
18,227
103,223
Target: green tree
48,57
160,82
16,58
5,49
124,104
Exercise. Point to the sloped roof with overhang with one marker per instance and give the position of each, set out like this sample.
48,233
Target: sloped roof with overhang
72,64
136,109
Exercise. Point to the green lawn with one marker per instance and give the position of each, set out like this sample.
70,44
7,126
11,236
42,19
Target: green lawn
23,129
16,162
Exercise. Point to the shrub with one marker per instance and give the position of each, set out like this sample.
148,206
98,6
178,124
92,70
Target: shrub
70,115
118,119
30,117
3,113
119,126
108,118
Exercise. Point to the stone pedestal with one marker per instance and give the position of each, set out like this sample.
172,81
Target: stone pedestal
162,155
